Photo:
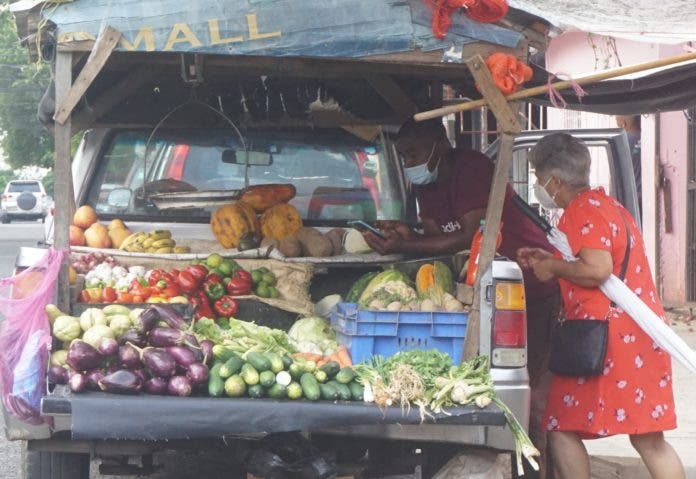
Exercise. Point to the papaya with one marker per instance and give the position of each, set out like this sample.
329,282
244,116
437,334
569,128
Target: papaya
433,281
231,222
263,197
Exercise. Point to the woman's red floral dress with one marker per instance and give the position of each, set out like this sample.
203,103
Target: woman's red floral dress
634,394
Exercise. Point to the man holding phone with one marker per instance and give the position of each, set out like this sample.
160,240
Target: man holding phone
452,188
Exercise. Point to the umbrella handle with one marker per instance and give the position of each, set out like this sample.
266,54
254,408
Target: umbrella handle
530,213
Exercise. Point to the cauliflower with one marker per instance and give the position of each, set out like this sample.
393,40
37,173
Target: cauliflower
392,291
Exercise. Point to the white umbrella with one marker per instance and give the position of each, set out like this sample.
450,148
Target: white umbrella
623,297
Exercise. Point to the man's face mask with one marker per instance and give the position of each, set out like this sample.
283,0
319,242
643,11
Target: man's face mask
420,174
545,199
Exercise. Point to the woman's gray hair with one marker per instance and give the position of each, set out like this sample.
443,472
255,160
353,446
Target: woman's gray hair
563,156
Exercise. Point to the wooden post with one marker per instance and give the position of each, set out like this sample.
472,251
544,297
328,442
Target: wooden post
103,47
62,171
507,120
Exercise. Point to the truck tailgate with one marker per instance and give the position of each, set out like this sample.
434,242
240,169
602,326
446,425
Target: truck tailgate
109,416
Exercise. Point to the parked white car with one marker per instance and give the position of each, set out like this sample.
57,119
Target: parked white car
23,199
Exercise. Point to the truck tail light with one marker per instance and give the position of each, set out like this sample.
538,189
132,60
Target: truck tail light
509,332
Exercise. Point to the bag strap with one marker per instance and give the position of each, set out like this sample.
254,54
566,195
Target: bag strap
627,254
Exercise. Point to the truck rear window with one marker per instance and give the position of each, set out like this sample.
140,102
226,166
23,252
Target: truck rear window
338,176
31,187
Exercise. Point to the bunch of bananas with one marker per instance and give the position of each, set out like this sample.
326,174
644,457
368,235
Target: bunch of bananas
158,241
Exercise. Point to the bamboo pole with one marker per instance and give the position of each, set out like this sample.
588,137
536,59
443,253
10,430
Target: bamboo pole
561,85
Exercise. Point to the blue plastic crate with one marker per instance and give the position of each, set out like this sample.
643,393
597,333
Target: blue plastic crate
366,333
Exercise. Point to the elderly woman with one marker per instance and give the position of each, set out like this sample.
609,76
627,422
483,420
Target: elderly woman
633,395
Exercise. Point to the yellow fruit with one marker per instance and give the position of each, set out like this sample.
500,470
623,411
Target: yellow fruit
118,235
163,243
182,249
280,221
115,224
97,236
230,222
165,250
84,217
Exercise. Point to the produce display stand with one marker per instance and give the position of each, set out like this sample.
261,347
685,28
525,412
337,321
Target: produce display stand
97,83
100,416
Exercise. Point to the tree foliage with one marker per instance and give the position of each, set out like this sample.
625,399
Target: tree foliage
24,140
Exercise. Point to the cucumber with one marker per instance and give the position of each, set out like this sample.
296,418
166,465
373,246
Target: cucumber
256,391
294,390
328,392
308,366
310,387
357,390
114,309
222,353
249,374
287,361
321,376
232,366
277,391
259,361
276,362
296,370
216,386
342,390
345,375
267,379
331,368
235,386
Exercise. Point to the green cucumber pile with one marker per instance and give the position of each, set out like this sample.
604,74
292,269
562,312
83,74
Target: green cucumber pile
269,375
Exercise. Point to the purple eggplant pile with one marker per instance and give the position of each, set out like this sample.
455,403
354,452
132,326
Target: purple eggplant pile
158,357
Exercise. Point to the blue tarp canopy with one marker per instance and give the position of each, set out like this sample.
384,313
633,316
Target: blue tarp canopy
318,28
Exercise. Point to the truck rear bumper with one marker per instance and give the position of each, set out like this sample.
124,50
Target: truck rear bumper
99,416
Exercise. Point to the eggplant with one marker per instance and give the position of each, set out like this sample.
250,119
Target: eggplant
156,386
182,355
179,386
93,377
129,357
77,382
147,320
197,373
112,367
207,350
121,382
158,362
134,337
171,317
82,356
141,373
108,347
57,375
163,337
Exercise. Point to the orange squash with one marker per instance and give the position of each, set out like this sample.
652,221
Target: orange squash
280,221
230,222
263,197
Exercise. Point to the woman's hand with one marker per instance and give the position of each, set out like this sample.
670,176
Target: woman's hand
540,261
527,257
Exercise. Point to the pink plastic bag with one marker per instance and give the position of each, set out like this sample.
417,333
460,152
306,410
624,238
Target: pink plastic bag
25,336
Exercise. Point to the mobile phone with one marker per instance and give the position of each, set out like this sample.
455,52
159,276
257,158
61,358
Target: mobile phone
362,226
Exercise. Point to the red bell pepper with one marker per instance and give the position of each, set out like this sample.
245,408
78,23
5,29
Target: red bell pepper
203,309
214,277
108,295
171,291
186,282
155,276
226,306
138,289
198,271
240,284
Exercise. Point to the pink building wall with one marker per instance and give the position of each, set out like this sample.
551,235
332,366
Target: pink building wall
664,141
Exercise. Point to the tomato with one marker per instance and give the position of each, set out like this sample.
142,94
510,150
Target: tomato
108,295
124,297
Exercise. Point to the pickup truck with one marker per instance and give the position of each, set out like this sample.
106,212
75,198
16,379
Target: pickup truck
339,177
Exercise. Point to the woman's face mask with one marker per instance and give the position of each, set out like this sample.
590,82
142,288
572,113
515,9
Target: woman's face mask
545,199
420,174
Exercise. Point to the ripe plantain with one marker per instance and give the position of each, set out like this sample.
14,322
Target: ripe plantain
160,234
182,249
164,243
165,250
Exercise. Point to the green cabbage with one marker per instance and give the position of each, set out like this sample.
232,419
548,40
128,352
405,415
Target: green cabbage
313,335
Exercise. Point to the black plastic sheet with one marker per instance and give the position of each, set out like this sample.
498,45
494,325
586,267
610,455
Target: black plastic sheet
109,416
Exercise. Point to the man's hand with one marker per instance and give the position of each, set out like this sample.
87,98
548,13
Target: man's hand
402,229
390,245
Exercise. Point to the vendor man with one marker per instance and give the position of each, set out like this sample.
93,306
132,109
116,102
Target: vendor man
452,187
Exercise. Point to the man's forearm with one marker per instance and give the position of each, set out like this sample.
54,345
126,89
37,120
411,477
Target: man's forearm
433,245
